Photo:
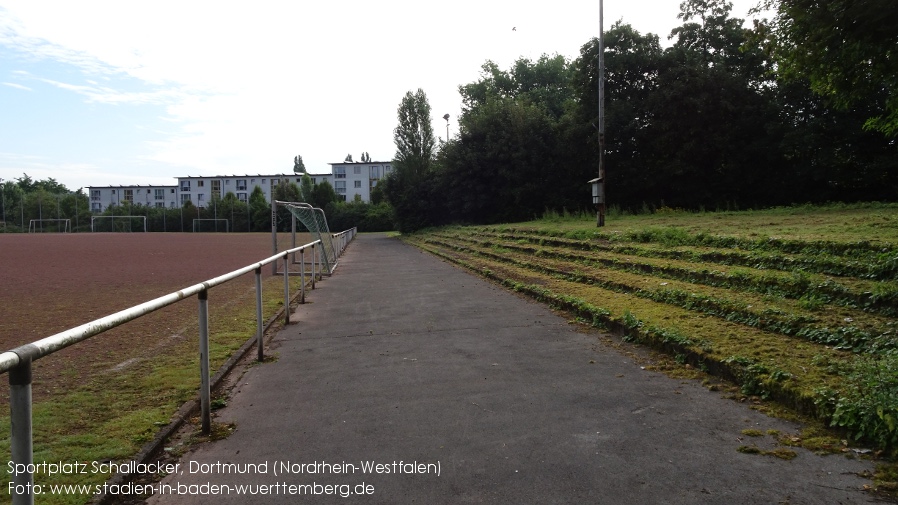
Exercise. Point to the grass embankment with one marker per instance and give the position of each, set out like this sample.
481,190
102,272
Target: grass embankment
110,412
799,305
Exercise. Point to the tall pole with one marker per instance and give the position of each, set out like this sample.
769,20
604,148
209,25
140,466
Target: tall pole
446,117
3,201
600,211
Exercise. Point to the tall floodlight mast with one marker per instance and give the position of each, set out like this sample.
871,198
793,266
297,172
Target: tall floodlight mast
600,205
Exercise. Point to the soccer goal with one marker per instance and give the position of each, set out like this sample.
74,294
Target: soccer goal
118,223
53,226
315,222
213,225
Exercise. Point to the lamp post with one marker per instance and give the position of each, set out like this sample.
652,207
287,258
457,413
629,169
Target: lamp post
599,183
3,201
446,117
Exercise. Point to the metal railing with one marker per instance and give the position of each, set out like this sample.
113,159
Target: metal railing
18,361
342,239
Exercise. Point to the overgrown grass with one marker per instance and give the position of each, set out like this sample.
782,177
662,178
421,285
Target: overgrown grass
111,414
796,304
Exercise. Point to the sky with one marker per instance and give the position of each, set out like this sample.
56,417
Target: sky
100,93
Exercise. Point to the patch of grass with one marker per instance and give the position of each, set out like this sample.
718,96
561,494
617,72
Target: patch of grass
779,452
112,412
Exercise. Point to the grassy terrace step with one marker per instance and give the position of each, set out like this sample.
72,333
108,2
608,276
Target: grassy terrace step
866,333
861,260
761,362
876,296
777,316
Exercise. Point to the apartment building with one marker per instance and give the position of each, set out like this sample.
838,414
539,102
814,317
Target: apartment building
102,197
358,178
198,190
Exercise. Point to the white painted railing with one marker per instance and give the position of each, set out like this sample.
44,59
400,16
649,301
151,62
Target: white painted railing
18,361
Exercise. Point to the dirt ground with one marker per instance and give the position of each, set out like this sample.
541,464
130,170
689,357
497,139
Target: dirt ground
52,282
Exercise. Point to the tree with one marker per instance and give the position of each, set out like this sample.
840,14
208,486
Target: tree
298,165
260,210
305,188
507,164
632,65
348,159
847,49
414,135
377,194
410,187
545,82
322,194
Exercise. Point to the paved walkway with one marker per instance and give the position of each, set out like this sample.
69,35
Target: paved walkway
484,397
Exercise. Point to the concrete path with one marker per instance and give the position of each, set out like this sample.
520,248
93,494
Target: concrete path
466,393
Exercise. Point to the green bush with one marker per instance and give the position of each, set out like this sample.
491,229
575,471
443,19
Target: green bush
868,404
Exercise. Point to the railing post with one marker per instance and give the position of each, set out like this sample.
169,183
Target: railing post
21,440
274,234
205,402
313,266
259,310
293,235
302,276
286,289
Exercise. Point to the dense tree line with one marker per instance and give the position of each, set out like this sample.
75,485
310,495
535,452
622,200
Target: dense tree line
713,121
25,199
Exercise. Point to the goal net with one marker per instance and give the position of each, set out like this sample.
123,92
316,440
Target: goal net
211,225
316,223
50,226
118,223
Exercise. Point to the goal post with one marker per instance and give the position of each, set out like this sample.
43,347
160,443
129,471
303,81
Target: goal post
62,225
315,222
122,226
198,225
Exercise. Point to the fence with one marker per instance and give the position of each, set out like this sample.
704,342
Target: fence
18,361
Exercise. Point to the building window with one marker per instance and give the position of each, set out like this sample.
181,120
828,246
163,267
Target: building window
200,184
160,205
358,184
357,170
185,185
241,185
241,197
227,182
129,195
340,186
160,194
113,191
200,198
172,190
374,172
340,172
185,198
